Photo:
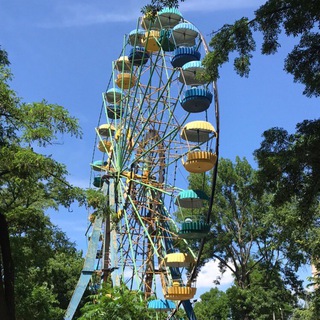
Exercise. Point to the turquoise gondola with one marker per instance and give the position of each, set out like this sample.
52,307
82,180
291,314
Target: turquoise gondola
191,199
184,34
169,17
192,74
114,95
98,164
99,180
161,305
136,37
164,40
194,229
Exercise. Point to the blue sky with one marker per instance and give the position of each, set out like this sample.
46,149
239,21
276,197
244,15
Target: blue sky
62,51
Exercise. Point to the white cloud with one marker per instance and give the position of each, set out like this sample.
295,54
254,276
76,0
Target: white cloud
85,14
209,273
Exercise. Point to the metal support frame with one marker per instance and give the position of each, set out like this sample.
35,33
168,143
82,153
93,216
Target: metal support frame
88,269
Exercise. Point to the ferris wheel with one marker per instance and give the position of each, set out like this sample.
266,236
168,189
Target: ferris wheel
155,129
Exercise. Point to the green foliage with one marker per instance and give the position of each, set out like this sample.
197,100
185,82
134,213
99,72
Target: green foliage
298,19
289,166
96,199
231,38
306,71
258,302
213,305
46,265
303,314
42,122
267,294
237,219
151,9
4,61
40,302
116,304
47,268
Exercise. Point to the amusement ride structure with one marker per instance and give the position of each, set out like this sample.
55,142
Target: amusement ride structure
154,129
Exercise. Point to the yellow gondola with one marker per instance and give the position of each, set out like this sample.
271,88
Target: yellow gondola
178,292
123,64
151,40
126,80
179,260
200,161
104,145
106,130
198,131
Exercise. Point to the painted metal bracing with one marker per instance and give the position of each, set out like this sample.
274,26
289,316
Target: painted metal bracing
87,271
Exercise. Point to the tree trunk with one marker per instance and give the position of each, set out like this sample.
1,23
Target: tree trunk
7,306
3,305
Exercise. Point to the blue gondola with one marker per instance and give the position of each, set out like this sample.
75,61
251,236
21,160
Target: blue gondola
196,100
183,55
138,56
114,111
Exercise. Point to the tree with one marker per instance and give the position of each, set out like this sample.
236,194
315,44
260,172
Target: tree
156,5
305,310
259,301
298,19
301,314
245,238
213,305
262,299
288,167
294,18
30,183
47,267
116,303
